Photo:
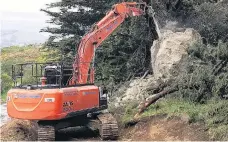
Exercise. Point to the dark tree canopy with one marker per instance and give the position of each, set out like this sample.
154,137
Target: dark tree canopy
124,54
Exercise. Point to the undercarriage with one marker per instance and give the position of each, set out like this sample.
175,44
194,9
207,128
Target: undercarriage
102,121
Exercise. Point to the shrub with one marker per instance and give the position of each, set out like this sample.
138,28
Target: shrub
205,74
211,21
6,82
209,17
217,120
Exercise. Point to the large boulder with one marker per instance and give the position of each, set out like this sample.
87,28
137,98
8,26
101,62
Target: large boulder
167,53
170,49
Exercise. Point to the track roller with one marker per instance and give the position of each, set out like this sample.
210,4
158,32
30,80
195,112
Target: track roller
108,127
46,133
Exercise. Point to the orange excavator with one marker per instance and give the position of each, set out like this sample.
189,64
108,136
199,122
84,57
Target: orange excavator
65,95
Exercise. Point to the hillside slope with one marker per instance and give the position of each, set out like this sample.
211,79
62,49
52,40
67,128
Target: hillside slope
197,74
14,55
201,101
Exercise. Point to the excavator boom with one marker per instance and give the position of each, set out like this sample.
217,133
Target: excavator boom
99,32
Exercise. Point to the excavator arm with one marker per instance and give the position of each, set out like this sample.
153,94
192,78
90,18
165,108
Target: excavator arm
82,67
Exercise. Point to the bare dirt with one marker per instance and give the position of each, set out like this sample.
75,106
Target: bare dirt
19,130
161,128
156,128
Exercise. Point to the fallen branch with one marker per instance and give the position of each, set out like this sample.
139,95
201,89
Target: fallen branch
152,99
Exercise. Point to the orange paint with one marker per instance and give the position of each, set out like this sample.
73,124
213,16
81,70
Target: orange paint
30,104
99,33
54,104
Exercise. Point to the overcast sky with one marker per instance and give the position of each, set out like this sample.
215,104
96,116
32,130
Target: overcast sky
16,10
23,5
24,16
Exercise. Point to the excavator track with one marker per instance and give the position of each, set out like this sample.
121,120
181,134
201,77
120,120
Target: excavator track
46,133
109,127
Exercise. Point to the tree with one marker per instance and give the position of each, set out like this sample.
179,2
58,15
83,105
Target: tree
71,22
209,17
124,54
6,83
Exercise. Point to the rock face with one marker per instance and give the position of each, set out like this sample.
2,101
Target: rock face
170,49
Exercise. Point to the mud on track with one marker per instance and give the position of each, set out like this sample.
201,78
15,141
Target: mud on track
77,134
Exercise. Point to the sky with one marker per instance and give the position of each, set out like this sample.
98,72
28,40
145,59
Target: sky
23,10
24,17
23,5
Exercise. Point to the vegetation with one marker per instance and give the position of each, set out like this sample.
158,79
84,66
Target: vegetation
125,52
14,55
205,73
202,91
202,83
213,114
209,17
206,78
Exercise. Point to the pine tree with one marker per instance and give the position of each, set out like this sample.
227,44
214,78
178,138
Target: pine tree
125,54
71,22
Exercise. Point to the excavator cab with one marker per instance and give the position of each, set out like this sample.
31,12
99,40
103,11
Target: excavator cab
51,74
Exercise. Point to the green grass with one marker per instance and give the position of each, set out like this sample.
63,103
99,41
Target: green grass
171,107
129,112
13,55
214,114
3,97
175,107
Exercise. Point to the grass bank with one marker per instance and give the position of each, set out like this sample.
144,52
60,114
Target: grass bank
213,113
